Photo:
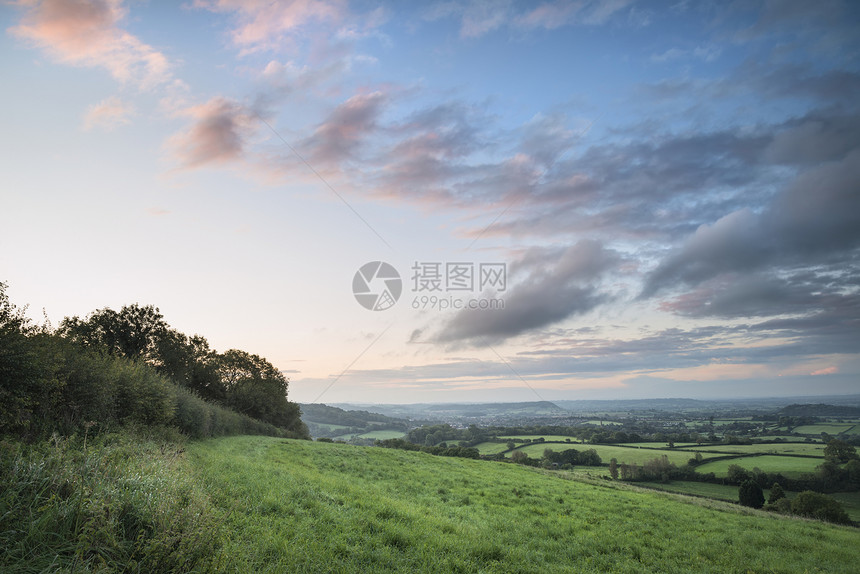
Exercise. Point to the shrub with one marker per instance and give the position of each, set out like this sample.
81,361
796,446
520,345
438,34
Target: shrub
816,505
776,493
750,494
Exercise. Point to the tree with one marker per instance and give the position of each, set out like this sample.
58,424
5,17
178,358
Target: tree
256,388
839,451
736,474
750,494
613,468
133,332
519,457
776,493
816,505
511,445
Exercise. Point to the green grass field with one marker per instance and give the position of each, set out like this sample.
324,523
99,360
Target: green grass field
809,449
383,434
552,437
788,465
623,454
817,429
293,506
491,447
376,435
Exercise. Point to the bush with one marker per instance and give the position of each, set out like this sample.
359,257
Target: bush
750,494
776,493
816,505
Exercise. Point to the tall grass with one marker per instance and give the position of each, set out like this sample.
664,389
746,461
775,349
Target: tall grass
120,504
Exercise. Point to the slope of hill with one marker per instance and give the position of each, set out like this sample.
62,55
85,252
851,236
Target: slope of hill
298,506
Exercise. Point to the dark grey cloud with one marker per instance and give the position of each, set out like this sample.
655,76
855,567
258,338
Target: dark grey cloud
817,216
558,284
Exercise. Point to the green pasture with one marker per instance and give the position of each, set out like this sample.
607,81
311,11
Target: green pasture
791,466
296,506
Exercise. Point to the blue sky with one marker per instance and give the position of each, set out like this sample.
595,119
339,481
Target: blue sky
672,187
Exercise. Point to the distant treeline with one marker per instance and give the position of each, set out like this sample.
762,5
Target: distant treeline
458,451
129,367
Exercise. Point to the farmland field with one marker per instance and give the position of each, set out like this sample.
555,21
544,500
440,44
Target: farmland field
300,506
788,465
550,437
817,429
376,435
810,449
623,454
491,447
383,434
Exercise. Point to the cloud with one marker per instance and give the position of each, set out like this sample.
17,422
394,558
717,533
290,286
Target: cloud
825,371
480,17
218,134
339,136
263,25
560,283
703,53
88,33
108,114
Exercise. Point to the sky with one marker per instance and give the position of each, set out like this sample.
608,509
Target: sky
457,201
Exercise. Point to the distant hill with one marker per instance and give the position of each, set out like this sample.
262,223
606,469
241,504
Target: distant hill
819,410
466,411
320,413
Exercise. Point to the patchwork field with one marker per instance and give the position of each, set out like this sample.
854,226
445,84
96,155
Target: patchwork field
807,449
791,466
491,447
294,506
623,454
829,428
546,437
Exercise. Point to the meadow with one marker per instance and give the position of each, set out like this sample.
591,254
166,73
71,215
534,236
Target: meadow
829,428
623,454
298,506
791,466
546,437
806,449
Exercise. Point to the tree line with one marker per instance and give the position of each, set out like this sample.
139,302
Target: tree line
130,366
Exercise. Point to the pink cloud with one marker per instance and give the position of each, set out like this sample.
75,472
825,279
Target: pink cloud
108,114
218,134
337,138
825,371
267,25
88,33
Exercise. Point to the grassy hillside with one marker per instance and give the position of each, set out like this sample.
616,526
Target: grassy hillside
306,507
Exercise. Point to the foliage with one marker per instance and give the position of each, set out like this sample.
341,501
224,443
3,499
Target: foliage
115,369
840,451
573,457
776,493
457,451
820,506
750,494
